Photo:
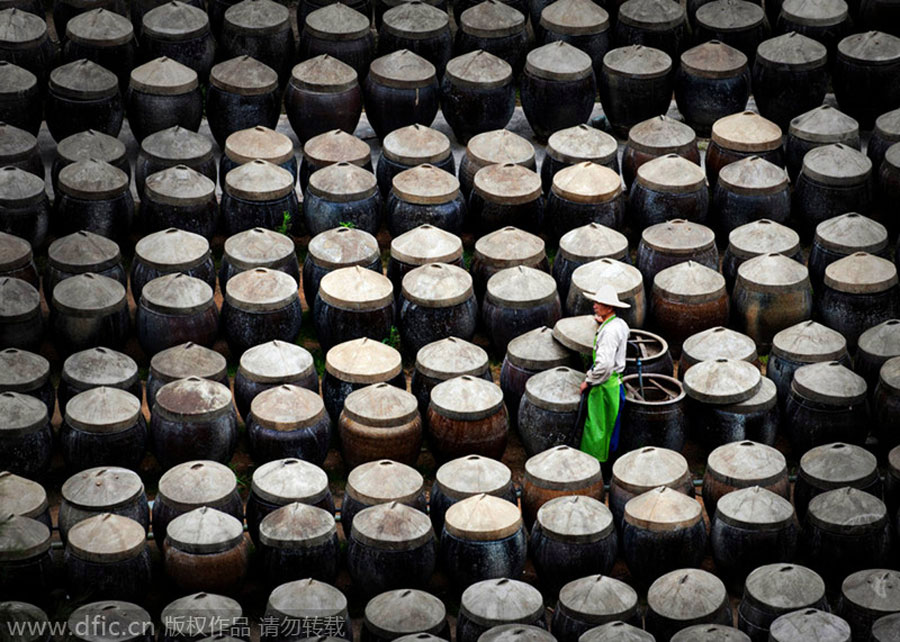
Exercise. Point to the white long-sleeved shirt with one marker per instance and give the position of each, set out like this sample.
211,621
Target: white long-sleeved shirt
610,341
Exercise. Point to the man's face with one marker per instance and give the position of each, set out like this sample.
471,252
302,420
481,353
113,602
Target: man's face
601,310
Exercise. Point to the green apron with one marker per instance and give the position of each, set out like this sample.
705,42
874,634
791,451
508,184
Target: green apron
602,412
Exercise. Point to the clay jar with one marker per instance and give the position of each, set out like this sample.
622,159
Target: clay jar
24,206
171,251
582,24
380,421
290,421
83,95
494,147
171,147
82,252
401,89
551,70
174,309
823,125
25,437
180,197
89,310
181,32
381,482
242,93
864,75
25,498
94,196
163,93
635,84
333,147
260,305
687,298
352,303
425,195
17,260
103,427
790,77
737,23
477,94
756,238
436,301
342,193
712,81
21,102
583,245
656,137
334,249
420,28
517,300
298,541
181,362
670,607
28,373
595,604
258,143
506,194
262,29
26,41
885,134
103,36
340,31
323,95
18,148
834,179
490,603
497,28
507,247
559,471
355,364
666,185
443,360
258,247
98,367
749,190
652,23
624,278
585,194
259,194
467,416
269,365
409,147
102,490
741,135
575,145
841,236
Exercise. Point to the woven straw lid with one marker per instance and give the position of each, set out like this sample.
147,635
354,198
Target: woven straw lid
324,74
661,135
102,488
392,526
473,475
756,509
20,189
652,15
258,247
626,279
562,468
100,28
426,244
180,186
19,300
786,586
204,530
644,469
671,173
575,519
559,61
483,518
22,371
163,77
507,184
848,511
576,333
90,144
437,285
178,144
592,241
244,76
746,131
574,18
637,61
830,383
772,273
678,237
415,145
509,247
14,613
336,21
343,247
15,144
478,69
403,611
175,21
598,598
498,147
713,59
587,183
761,236
690,282
874,591
836,164
537,349
336,146
382,481
556,390
662,510
20,29
425,185
92,180
743,463
491,19
343,183
258,17
261,290
196,483
582,143
809,341
753,176
402,69
103,410
451,357
871,47
287,408
381,405
825,124
363,361
861,273
275,361
715,343
22,496
686,595
106,538
296,526
837,465
188,359
882,340
15,252
792,51
722,381
356,289
193,400
100,367
88,295
258,181
289,480
730,15
501,601
259,143
83,80
521,287
467,398
215,611
415,20
22,538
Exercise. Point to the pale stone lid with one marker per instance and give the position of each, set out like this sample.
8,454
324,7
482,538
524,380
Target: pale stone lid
574,18
15,80
19,300
289,480
587,183
500,146
23,371
336,146
381,405
660,135
356,288
287,408
653,15
383,480
825,124
88,294
762,236
473,475
483,518
847,510
261,290
106,538
888,125
678,237
19,188
509,247
875,591
575,519
582,142
644,469
197,483
576,333
772,273
812,623
713,59
752,176
593,241
188,359
437,285
637,61
392,526
478,69
402,69
597,598
103,410
785,586
178,144
336,21
363,361
491,602
746,131
194,399
177,294
686,595
861,273
245,76
466,398
722,381
537,350
324,74
871,47
663,510
730,15
815,13
22,538
92,180
690,282
258,247
836,164
172,249
562,468
626,279
99,28
425,185
837,465
90,144
20,496
744,462
258,17
403,611
297,525
556,390
15,143
343,183
204,530
755,509
104,487
671,173
415,20
718,342
809,341
882,340
426,244
829,382
343,247
163,77
83,249
559,61
521,287
83,80
259,143
275,361
507,184
180,186
491,19
175,21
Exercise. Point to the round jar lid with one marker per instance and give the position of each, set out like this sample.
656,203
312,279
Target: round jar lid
19,188
730,15
626,279
324,74
15,144
467,398
19,29
83,80
820,13
582,143
287,408
90,144
575,519
861,273
204,530
102,488
437,285
261,290
22,538
887,126
507,184
478,69
837,165
671,173
259,181
307,599
744,463
100,367
886,627
244,76
194,399
451,357
172,249
188,360
873,591
415,20
15,81
22,496
576,333
848,511
746,131
343,183
562,468
296,526
559,61
521,287
556,390
96,621
762,236
336,21
103,410
177,293
258,247
882,340
23,371
574,18
764,400
509,247
686,594
713,59
837,465
810,623
343,247
177,144
88,295
716,343
661,135
755,509
106,538
644,469
637,61
491,19
722,381
653,15
382,481
473,475
356,289
196,483
259,143
871,47
93,180
416,144
753,176
772,273
402,69
825,124
809,341
275,361
537,350
678,237
175,21
289,480
663,509
24,615
392,526
597,598
258,17
690,282
215,613
381,405
364,361
19,300
501,601
163,77
829,382
403,611
587,183
426,244
498,147
784,586
592,241
483,518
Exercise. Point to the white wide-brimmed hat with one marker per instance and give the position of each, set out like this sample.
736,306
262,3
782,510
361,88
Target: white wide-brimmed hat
606,295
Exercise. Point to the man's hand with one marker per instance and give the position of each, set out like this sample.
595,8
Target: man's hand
584,386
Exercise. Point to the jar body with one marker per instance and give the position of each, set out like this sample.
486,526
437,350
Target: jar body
111,217
376,570
865,91
174,441
149,113
730,210
358,52
28,455
239,214
82,449
227,112
543,109
25,334
32,578
26,111
335,325
650,207
321,215
403,216
281,565
275,50
157,331
511,48
390,108
718,157
702,101
470,110
672,40
504,324
488,216
886,411
39,57
127,580
220,572
312,113
650,554
309,443
815,202
67,116
563,215
811,423
30,222
781,93
678,320
421,325
137,509
244,329
468,561
198,53
45,392
761,314
559,562
361,443
662,425
541,429
738,551
853,314
835,555
74,334
628,101
227,270
716,426
436,48
745,40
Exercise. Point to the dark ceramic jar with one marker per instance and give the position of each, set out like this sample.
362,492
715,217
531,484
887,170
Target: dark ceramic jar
299,541
823,125
94,196
885,134
17,260
341,32
712,81
687,298
490,148
288,421
865,74
179,31
739,136
420,28
83,95
506,194
260,305
21,101
333,147
490,603
835,179
652,23
337,248
381,482
25,436
342,193
497,28
26,563
581,23
636,84
576,145
323,95
258,247
182,362
262,30
888,181
401,89
257,143
547,417
583,245
97,367
477,94
18,148
825,22
26,42
439,361
163,93
29,374
180,197
24,498
24,206
557,69
65,10
82,252
420,246
517,300
382,6
833,466
103,427
425,195
106,38
192,418
84,146
737,23
242,93
748,190
259,194
393,613
216,10
670,608
436,301
790,76
89,310
780,589
583,194
667,186
353,302
269,365
308,601
409,147
761,236
595,603
505,248
171,147
140,7
657,137
174,309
